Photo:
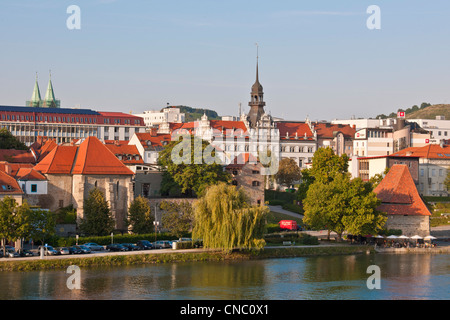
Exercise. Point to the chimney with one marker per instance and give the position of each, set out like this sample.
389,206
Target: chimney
354,126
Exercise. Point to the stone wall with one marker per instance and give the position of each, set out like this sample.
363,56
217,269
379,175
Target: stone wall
410,225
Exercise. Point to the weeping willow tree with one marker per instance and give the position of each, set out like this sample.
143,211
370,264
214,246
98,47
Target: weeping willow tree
225,220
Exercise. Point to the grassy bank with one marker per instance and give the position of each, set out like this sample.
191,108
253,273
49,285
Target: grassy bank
122,260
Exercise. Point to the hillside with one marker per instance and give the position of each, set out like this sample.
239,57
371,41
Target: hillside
431,112
193,114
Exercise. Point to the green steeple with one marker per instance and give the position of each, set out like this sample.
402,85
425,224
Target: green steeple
50,100
36,97
50,95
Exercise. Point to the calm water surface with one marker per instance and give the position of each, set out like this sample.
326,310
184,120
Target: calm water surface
405,276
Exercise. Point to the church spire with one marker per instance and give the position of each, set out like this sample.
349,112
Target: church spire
50,100
257,97
36,97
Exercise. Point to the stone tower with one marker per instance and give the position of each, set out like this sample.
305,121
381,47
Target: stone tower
256,101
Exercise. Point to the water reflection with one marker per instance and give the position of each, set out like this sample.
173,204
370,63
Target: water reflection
329,277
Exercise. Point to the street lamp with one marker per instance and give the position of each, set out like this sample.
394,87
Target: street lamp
156,223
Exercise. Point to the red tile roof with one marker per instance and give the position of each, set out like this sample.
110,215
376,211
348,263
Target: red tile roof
124,151
155,140
8,185
29,174
242,159
398,193
293,128
58,161
17,156
328,130
93,157
90,157
431,151
12,168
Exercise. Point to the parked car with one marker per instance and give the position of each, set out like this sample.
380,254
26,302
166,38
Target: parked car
116,247
11,253
163,244
85,249
93,246
26,253
64,250
48,251
130,246
144,245
75,250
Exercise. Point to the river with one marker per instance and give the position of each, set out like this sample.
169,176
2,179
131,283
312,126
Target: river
404,276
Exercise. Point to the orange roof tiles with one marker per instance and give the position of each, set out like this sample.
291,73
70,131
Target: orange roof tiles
58,161
294,129
398,193
90,157
431,151
9,185
13,168
328,130
155,141
17,156
93,157
29,174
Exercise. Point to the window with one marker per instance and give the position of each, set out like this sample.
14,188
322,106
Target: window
422,172
255,171
255,183
234,183
34,188
61,203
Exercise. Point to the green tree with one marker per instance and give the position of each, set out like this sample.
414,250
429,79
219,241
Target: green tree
447,180
343,204
225,220
8,141
97,218
140,216
178,218
306,180
43,225
15,220
288,172
326,164
191,170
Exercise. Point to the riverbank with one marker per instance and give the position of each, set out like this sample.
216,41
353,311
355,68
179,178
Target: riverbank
171,256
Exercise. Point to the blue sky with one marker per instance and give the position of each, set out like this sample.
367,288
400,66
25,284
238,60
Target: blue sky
317,58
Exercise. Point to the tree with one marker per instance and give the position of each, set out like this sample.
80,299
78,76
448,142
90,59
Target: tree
15,220
306,180
43,225
326,164
8,141
343,204
178,218
190,170
288,172
225,220
447,180
97,218
140,216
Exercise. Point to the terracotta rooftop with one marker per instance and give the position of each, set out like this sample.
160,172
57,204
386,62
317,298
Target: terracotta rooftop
17,156
127,154
295,130
431,151
398,193
8,185
29,174
150,141
328,130
13,168
90,157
